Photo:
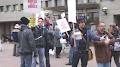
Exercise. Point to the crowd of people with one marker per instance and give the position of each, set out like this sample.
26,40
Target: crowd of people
31,43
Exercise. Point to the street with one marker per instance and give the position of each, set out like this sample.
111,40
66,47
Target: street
8,60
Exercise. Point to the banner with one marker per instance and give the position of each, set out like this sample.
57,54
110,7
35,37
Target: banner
32,6
72,11
63,25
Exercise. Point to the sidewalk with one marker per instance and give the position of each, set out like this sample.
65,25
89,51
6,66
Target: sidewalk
8,60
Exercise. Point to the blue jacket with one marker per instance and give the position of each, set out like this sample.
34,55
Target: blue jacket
84,43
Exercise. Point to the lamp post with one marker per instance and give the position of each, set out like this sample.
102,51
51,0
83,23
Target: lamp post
105,10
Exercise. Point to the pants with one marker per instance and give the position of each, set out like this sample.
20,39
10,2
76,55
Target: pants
104,64
116,56
26,60
15,49
80,55
71,54
47,57
58,50
41,53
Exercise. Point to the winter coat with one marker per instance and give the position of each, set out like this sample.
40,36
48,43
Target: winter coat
83,43
57,39
102,51
41,36
15,35
26,40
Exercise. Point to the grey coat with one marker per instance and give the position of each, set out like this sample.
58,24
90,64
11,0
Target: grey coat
57,39
26,40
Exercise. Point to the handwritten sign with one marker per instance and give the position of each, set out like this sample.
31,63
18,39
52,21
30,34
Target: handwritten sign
63,25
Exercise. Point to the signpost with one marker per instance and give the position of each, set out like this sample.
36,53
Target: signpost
72,14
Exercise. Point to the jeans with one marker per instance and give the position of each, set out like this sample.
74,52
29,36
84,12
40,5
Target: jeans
83,55
15,49
34,61
104,64
41,53
26,60
71,54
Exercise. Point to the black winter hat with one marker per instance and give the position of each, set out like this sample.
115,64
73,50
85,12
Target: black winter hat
24,20
81,19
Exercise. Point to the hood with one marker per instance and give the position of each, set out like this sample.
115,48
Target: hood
23,27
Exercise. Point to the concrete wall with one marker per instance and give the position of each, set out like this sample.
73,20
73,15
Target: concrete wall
113,9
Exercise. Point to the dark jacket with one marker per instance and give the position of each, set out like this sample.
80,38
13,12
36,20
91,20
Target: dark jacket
40,35
26,40
15,35
57,39
81,44
87,38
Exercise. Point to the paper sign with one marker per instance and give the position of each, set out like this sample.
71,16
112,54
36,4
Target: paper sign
63,15
77,35
63,25
72,11
32,6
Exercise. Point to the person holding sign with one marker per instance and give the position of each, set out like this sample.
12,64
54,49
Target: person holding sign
80,43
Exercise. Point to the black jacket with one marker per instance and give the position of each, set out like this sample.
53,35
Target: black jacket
40,35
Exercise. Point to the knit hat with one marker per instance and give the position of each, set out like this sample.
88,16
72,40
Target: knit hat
17,26
81,19
24,20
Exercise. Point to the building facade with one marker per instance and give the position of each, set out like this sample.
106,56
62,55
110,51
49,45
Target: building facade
112,9
12,10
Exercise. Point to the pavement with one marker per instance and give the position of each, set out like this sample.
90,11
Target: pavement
8,60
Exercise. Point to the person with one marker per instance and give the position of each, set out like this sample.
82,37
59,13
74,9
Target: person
57,43
26,46
80,43
41,36
113,30
1,47
70,44
102,46
15,39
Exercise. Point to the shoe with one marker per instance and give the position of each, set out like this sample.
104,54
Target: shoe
57,56
68,64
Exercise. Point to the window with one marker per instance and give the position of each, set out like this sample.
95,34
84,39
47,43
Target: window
21,6
56,4
46,3
106,0
1,8
15,7
8,7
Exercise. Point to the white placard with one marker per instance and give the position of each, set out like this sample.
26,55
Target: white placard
72,11
63,15
63,25
32,6
77,35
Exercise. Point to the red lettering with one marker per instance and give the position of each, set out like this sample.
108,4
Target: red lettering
32,1
32,6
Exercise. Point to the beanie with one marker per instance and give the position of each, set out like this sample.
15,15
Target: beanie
24,20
